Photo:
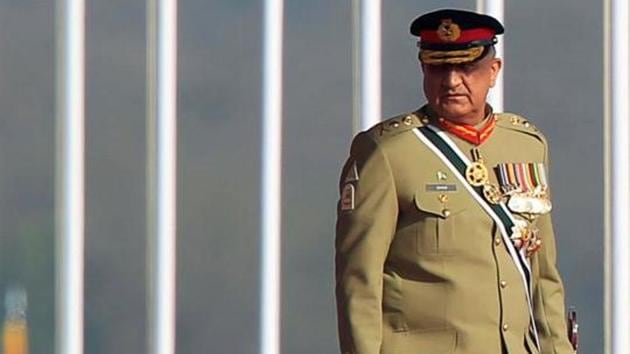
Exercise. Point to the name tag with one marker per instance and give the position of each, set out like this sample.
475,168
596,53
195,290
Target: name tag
441,187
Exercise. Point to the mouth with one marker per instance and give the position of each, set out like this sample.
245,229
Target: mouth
455,96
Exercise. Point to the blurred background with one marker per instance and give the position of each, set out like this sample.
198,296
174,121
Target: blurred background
553,66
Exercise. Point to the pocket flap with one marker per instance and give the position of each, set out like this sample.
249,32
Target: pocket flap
442,204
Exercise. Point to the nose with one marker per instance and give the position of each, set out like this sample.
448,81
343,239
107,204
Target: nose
451,78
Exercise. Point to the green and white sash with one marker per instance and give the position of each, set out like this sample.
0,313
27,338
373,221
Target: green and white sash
444,148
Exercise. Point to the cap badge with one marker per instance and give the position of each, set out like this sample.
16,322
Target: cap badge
448,31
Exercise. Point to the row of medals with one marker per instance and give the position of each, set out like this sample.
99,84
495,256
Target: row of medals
525,236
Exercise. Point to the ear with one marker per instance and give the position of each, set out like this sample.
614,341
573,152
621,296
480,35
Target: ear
495,68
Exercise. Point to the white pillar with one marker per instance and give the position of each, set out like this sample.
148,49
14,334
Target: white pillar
496,9
618,176
271,191
161,173
70,175
367,53
607,179
356,66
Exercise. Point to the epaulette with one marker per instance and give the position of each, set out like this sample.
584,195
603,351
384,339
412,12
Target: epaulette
513,121
398,124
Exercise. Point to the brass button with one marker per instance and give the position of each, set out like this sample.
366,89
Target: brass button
505,327
514,120
446,213
526,124
425,121
497,241
407,120
443,198
394,124
503,284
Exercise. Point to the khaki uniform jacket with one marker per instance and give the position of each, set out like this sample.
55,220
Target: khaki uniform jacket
419,275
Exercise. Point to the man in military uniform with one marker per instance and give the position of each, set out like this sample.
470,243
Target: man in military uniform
444,238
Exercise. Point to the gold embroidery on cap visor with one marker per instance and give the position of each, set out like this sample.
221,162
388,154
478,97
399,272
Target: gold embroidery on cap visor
436,57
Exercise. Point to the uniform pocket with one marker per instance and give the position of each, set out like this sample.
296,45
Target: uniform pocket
435,226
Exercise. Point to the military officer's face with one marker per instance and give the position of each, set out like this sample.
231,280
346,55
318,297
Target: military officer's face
458,92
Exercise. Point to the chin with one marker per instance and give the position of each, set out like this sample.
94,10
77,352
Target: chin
454,113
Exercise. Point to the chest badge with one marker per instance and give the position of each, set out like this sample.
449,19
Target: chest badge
477,175
492,193
526,186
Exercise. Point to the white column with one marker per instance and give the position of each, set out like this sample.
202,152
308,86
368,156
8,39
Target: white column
356,66
607,179
496,9
271,191
70,175
367,53
161,173
618,177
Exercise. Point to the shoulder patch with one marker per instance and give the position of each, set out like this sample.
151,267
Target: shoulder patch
398,124
352,175
347,197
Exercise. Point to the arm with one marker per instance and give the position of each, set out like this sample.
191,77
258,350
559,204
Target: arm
363,235
549,311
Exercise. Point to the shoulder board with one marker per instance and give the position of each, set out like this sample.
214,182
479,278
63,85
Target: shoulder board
518,123
396,125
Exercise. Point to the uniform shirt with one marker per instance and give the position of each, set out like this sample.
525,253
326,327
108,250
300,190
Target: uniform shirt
418,274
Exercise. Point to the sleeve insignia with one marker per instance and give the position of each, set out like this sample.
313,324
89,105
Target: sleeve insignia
347,197
353,174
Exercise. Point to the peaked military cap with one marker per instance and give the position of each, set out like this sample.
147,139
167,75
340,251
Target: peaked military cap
452,36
